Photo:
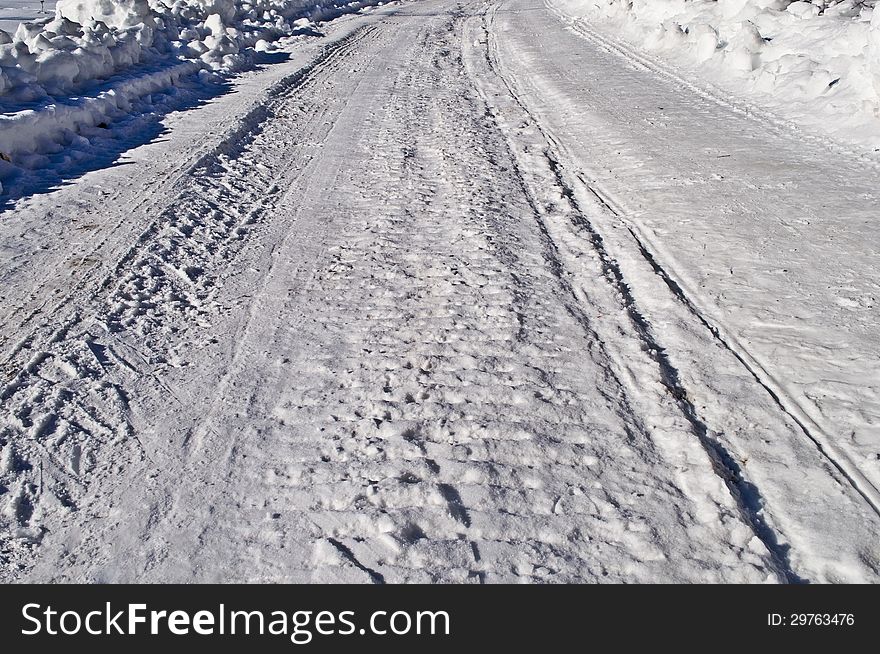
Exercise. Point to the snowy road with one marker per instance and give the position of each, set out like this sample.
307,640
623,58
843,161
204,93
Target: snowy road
461,292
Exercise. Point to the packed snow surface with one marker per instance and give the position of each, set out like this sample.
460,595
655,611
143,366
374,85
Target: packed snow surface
816,63
458,291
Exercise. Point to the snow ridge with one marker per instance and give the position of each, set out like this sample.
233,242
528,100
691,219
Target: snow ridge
813,431
90,40
816,63
96,62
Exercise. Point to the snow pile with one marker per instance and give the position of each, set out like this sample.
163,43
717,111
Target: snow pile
94,39
113,54
817,63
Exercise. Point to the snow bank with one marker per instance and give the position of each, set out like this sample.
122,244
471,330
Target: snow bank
92,39
110,53
817,63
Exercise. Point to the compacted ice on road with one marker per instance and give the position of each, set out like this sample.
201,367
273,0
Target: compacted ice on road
459,291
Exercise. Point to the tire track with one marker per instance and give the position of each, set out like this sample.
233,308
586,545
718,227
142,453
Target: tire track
745,494
782,526
783,400
65,414
786,402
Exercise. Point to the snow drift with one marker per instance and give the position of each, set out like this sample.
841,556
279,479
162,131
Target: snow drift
91,40
96,59
816,63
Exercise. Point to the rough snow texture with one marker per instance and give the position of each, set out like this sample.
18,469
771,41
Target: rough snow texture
115,53
428,303
92,39
816,63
